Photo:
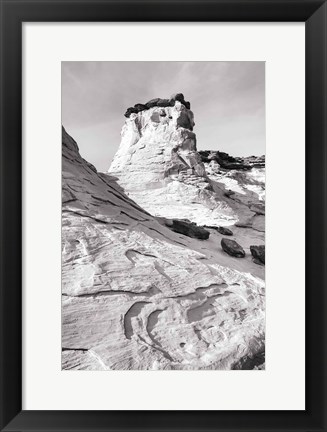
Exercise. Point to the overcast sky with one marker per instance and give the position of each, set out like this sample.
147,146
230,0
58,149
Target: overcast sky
227,98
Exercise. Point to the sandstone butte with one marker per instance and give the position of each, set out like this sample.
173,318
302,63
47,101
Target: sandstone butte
136,294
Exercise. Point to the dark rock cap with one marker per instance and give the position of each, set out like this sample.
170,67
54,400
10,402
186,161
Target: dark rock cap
129,111
158,102
140,107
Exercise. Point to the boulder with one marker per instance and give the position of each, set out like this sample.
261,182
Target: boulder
232,248
258,253
224,231
189,229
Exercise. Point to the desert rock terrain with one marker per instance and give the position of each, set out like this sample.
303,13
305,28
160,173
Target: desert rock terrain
146,283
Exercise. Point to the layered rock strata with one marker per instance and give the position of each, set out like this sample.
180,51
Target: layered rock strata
135,294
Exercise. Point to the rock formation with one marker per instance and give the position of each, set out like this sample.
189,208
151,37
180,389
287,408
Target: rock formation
136,294
243,181
258,253
232,248
188,228
222,230
229,162
158,102
159,167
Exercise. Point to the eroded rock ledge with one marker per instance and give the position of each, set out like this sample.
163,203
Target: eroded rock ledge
229,162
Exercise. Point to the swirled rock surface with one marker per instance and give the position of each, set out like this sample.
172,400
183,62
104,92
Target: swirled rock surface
135,294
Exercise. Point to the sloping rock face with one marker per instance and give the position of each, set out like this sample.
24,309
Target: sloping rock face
136,295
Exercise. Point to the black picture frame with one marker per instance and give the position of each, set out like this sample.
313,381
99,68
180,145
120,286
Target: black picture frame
13,14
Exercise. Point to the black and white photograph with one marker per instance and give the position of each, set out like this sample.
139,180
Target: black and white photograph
163,215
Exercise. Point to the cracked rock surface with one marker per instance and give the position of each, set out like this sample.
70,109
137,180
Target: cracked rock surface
135,294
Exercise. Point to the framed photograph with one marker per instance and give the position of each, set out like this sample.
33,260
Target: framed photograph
163,207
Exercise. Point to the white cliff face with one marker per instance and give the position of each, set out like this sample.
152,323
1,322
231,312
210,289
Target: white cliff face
159,167
136,295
